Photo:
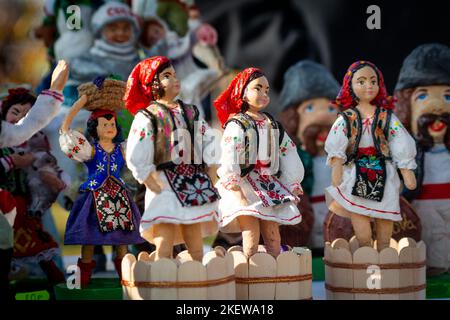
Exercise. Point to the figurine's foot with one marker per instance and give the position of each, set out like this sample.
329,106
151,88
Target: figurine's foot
86,272
54,275
434,272
118,266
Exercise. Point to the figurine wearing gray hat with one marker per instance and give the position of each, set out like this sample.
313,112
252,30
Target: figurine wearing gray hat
308,116
423,105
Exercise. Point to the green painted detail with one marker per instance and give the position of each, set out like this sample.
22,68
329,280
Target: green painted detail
35,295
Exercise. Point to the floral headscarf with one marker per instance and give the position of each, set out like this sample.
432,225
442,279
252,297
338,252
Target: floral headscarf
230,101
138,94
347,99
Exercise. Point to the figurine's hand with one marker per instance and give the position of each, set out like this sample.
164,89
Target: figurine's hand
22,161
152,184
298,191
409,179
239,195
337,171
60,76
50,179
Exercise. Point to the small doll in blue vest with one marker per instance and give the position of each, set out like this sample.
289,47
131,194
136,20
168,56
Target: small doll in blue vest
365,147
104,212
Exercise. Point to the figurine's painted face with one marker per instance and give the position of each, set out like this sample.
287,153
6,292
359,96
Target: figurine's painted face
118,32
106,129
257,94
431,100
316,119
17,112
365,84
169,82
153,33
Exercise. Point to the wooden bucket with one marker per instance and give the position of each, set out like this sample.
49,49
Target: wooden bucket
179,279
395,273
262,277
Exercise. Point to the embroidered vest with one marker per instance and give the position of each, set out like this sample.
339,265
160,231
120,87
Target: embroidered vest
251,140
380,132
164,127
102,166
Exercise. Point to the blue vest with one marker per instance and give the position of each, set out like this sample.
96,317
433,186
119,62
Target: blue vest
102,166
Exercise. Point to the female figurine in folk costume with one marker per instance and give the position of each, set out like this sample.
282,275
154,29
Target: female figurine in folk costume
365,146
181,201
104,212
423,105
260,171
23,169
43,111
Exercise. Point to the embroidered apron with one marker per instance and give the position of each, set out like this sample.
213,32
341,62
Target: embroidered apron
370,174
191,184
113,207
268,188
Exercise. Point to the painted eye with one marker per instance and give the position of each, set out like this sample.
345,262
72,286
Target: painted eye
374,83
331,109
309,108
422,97
361,83
447,98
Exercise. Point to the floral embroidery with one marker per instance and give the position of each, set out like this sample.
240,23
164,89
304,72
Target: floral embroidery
145,133
114,167
284,147
269,190
100,167
75,149
192,187
81,141
239,147
230,139
340,126
395,128
93,183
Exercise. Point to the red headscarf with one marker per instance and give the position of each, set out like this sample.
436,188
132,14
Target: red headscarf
230,101
138,94
101,113
346,100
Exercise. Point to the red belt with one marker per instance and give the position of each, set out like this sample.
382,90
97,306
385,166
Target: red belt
434,191
316,199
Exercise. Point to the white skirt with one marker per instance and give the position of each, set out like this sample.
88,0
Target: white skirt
388,208
229,208
166,208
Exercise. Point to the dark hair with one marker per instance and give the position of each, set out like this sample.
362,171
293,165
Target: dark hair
157,90
21,97
92,129
253,76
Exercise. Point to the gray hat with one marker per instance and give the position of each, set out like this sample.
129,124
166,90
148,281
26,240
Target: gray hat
110,12
307,80
427,65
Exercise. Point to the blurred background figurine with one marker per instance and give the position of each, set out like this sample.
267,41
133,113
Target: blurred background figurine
308,114
33,245
423,93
